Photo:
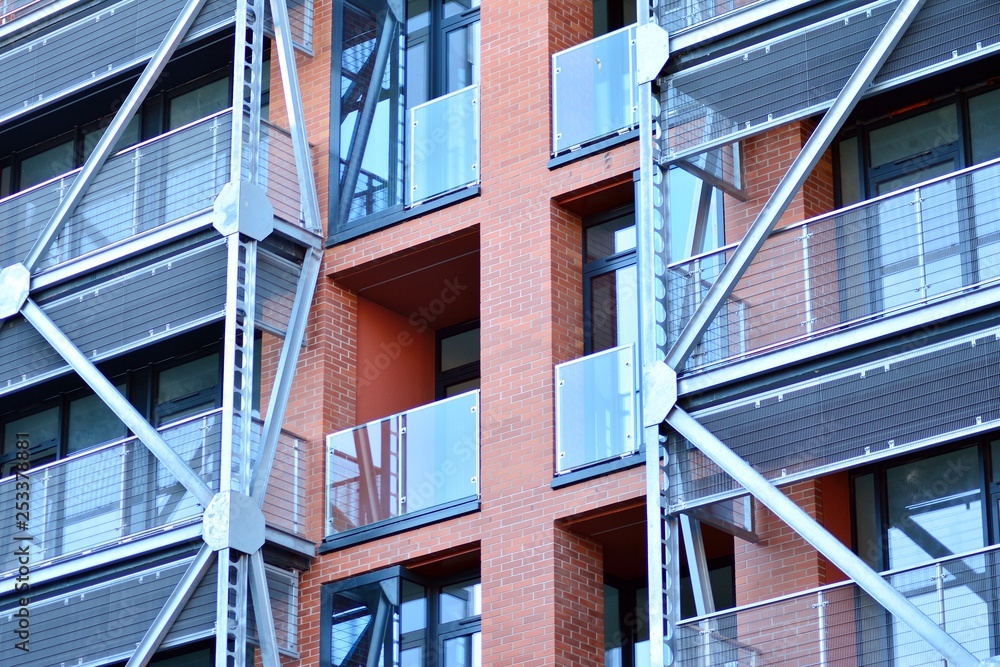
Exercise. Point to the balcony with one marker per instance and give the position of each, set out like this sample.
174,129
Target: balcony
443,146
164,180
406,465
841,625
111,494
930,243
284,503
594,91
596,409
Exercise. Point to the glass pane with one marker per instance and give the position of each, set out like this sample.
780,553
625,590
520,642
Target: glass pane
913,177
41,429
869,546
5,181
418,82
690,233
986,214
850,176
460,601
614,311
92,422
462,65
376,182
413,610
444,145
188,388
455,7
412,657
364,475
461,387
198,103
914,136
47,164
935,508
441,453
594,90
361,616
613,635
610,238
418,15
457,652
984,121
460,349
595,409
995,456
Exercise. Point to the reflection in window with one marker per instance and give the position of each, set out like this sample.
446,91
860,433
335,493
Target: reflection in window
47,164
188,388
91,422
611,301
198,103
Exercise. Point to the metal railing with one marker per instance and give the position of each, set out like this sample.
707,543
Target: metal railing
596,408
892,253
15,9
278,175
153,183
680,14
285,500
840,624
405,463
110,494
443,145
594,90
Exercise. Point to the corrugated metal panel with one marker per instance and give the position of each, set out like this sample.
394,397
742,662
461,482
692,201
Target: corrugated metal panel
127,311
155,301
101,623
799,74
276,282
904,402
105,43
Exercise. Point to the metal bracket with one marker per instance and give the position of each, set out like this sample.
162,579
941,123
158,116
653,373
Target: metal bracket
233,520
243,207
652,51
15,284
659,392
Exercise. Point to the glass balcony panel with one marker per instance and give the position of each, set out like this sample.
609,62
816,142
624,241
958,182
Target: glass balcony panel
158,182
594,90
595,408
444,145
840,624
928,242
116,492
417,460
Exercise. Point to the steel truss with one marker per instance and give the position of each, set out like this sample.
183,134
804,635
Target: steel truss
661,364
232,524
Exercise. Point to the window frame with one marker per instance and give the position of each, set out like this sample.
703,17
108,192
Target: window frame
602,266
443,380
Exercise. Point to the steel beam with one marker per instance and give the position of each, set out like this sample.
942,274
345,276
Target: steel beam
172,608
114,131
694,548
296,115
821,539
118,403
790,183
262,612
363,125
287,363
231,609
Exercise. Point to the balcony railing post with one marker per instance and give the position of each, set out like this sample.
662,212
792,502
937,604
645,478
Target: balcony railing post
918,208
123,492
136,188
820,607
296,481
939,586
807,280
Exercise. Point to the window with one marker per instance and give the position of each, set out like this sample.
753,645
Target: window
910,512
396,612
457,360
408,115
954,248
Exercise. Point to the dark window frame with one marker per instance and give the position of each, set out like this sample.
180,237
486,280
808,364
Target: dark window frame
464,373
602,266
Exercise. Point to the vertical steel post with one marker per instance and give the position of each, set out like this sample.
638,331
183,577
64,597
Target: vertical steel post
821,623
807,279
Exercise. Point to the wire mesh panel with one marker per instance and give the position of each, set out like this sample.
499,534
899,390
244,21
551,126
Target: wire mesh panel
100,45
900,403
101,623
918,246
278,175
800,73
594,90
842,625
111,494
422,458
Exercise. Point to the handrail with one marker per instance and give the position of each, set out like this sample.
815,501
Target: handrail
834,586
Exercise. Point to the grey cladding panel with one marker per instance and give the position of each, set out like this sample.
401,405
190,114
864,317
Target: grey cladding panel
102,623
277,279
24,354
106,42
796,75
937,394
